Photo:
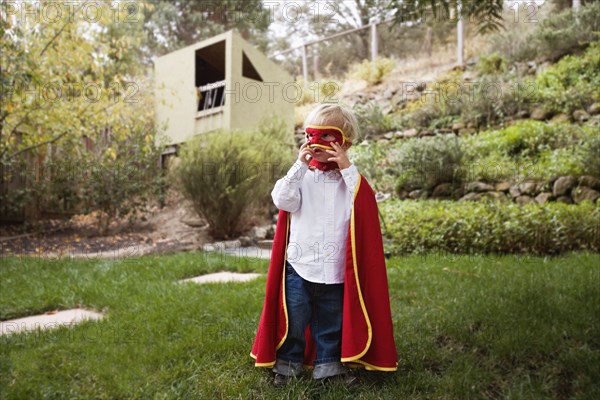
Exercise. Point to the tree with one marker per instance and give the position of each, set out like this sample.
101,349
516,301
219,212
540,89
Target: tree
69,79
173,24
486,13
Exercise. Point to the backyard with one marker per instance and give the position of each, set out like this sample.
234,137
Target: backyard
465,327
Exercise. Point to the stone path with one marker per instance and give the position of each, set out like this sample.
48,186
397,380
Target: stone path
48,320
221,277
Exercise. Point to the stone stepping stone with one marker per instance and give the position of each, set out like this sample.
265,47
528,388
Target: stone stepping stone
48,320
222,277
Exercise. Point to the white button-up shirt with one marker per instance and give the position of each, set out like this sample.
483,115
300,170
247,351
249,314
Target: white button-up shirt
320,204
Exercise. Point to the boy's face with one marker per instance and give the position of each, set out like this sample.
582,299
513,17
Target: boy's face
320,141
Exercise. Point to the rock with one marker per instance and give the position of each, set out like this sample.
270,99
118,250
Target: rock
418,194
245,241
409,133
478,187
500,196
258,233
265,244
589,181
457,126
564,199
466,131
442,190
580,115
275,217
563,185
458,192
543,186
560,118
583,193
389,135
527,188
402,194
594,109
540,114
271,231
514,191
544,197
522,114
194,222
389,93
524,200
444,130
382,141
226,244
502,187
427,132
398,134
471,197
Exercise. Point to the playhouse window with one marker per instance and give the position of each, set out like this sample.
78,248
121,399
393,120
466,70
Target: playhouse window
248,70
210,76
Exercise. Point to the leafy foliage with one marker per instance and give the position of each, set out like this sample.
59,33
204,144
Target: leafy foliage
372,72
556,35
228,175
491,227
66,83
487,14
572,83
427,162
372,120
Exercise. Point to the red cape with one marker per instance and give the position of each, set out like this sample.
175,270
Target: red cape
367,330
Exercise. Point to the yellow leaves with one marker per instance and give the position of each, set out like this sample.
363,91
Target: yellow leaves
111,153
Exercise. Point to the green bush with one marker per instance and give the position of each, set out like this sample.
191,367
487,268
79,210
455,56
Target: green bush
376,161
491,64
490,227
372,73
572,83
561,34
590,162
427,162
526,138
527,149
228,175
372,120
555,36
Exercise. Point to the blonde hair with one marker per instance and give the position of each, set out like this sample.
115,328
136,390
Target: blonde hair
334,115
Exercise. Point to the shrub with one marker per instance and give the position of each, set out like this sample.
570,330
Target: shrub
528,149
228,175
491,64
490,227
526,138
371,72
427,162
561,34
591,156
556,35
372,120
572,83
376,162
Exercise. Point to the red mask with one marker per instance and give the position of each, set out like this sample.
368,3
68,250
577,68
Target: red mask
317,132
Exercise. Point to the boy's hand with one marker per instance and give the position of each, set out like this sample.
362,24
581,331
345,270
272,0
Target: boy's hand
303,152
339,156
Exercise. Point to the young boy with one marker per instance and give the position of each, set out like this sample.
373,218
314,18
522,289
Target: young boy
327,302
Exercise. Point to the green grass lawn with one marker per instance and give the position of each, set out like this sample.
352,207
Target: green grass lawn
466,327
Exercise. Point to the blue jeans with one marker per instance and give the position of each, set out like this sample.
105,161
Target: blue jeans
321,306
